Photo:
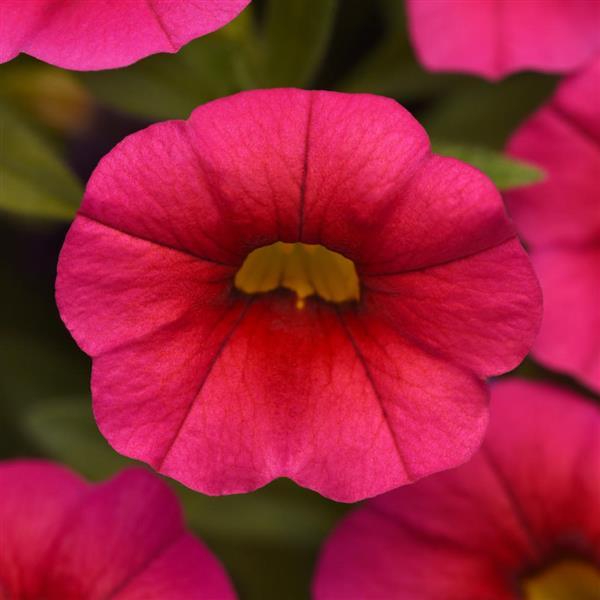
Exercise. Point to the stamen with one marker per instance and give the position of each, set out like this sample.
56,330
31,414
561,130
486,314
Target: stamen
566,580
306,269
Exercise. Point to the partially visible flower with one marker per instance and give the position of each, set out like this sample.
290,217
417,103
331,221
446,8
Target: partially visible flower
520,521
64,539
289,284
560,220
105,34
494,38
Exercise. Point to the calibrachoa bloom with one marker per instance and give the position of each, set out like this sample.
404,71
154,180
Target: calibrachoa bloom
290,284
560,220
64,539
519,521
493,38
105,34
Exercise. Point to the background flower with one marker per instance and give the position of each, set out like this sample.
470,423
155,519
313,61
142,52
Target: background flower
494,38
105,34
63,538
520,517
560,221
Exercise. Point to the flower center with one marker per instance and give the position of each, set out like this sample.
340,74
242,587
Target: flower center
306,269
566,580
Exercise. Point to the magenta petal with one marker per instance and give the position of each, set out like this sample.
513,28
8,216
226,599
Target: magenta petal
419,225
560,220
472,532
34,504
493,38
226,391
568,339
361,152
563,138
452,308
185,570
61,538
157,279
105,34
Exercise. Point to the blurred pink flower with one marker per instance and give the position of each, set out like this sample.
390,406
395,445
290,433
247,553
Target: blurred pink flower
64,539
560,220
105,34
520,519
225,390
494,38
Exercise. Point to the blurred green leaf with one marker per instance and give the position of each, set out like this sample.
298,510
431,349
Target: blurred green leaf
296,36
388,71
279,511
64,429
505,172
480,112
34,180
391,68
170,86
50,97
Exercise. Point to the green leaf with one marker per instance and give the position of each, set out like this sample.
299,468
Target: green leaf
387,71
505,172
34,180
50,97
391,68
170,86
484,113
64,429
297,33
280,511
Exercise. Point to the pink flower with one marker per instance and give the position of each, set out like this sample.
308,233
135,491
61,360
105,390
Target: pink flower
104,34
64,539
493,38
560,220
411,288
520,520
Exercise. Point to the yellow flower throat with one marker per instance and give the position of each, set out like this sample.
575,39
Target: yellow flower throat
306,269
566,580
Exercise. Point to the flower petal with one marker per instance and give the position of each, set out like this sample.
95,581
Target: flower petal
184,570
292,395
361,151
551,426
104,34
493,38
125,538
563,138
217,186
561,221
103,272
568,339
480,527
109,553
447,211
30,489
451,309
225,391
